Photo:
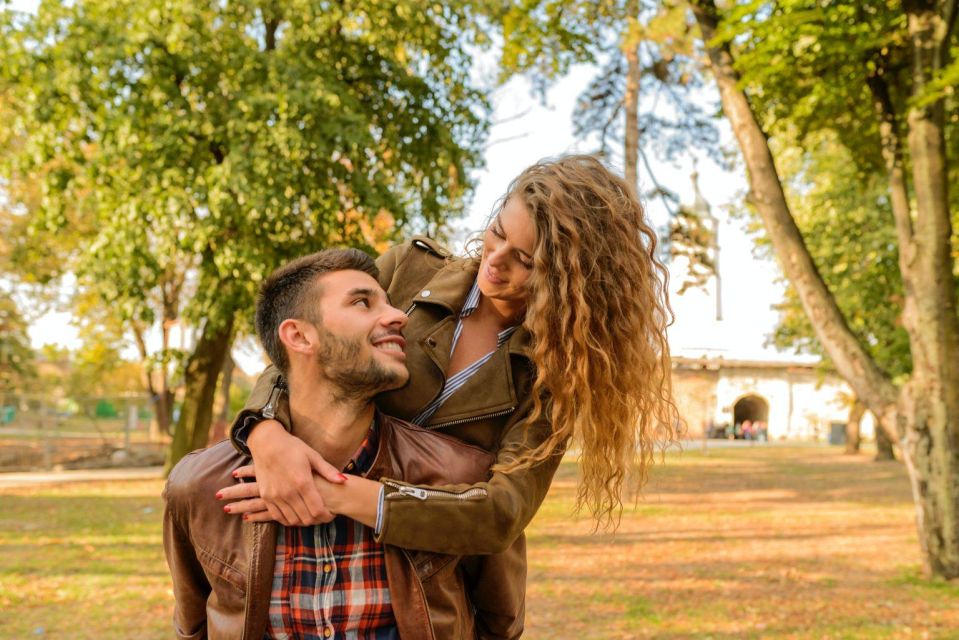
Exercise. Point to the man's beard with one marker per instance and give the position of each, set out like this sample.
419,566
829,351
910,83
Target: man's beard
352,377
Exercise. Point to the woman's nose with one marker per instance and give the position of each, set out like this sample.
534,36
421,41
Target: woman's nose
498,257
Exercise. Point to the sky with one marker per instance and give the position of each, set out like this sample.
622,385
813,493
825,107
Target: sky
750,285
526,130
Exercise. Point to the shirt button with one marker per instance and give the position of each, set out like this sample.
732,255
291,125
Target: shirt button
327,567
327,632
431,342
426,293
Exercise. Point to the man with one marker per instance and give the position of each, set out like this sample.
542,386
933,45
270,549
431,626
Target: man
326,323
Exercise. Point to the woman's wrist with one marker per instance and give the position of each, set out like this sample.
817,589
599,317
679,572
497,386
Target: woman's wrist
264,431
357,498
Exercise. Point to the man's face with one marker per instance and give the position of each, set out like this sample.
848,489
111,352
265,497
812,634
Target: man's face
360,342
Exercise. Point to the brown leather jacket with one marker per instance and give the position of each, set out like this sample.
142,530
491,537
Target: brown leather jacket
491,411
223,567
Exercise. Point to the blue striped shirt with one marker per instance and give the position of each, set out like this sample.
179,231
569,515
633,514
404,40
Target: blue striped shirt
454,382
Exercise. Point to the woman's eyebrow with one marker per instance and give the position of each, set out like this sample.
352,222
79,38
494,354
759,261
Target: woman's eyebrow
497,222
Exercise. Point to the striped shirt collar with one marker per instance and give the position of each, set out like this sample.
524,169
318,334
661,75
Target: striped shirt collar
455,382
472,301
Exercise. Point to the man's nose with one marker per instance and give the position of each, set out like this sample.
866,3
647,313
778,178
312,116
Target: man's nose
395,318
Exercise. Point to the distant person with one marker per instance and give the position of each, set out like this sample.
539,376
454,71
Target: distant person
326,324
762,432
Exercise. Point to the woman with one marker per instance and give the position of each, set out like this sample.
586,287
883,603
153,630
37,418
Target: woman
554,336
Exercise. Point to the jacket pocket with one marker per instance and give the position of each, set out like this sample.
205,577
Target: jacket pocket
427,564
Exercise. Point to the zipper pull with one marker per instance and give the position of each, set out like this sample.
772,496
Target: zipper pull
269,411
415,492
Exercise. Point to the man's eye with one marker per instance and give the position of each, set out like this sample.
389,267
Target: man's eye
362,301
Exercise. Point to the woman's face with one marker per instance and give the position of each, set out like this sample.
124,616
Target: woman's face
507,259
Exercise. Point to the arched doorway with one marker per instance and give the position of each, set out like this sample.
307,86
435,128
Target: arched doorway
751,417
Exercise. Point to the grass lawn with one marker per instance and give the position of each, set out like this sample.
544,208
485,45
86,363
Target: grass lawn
778,542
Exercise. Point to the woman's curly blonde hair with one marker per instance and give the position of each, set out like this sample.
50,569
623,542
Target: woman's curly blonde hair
597,311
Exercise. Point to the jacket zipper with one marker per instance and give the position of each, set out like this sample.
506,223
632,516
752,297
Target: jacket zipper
410,310
462,420
269,411
424,494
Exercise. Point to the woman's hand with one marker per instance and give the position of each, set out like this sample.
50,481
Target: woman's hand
284,478
244,499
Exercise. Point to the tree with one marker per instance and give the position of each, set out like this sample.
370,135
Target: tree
842,209
645,98
193,147
16,356
807,59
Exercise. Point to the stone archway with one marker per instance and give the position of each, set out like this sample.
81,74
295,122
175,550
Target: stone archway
752,408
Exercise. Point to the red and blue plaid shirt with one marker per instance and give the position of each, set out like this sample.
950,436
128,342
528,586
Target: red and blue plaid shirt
329,580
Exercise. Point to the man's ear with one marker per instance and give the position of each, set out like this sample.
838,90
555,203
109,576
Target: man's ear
297,335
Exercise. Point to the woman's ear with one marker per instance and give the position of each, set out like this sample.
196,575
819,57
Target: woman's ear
297,335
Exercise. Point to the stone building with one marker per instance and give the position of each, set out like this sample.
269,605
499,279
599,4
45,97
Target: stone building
795,399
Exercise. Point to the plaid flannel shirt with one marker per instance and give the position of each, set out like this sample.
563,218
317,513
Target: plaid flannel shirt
329,580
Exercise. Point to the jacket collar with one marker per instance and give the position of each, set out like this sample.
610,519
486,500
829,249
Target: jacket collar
450,285
449,288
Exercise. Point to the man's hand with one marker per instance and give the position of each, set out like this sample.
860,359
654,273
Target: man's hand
284,479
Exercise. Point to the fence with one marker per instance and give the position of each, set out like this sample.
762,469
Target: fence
44,432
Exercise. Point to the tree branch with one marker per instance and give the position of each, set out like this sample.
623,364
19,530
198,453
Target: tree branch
949,12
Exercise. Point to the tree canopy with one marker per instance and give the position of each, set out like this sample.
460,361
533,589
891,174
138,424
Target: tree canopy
185,150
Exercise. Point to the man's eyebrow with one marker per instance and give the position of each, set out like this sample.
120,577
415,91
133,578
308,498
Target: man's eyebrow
364,291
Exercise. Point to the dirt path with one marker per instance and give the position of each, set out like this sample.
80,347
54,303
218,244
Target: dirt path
37,478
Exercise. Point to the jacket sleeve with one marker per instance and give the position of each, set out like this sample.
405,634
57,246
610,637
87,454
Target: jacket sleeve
190,586
473,519
267,400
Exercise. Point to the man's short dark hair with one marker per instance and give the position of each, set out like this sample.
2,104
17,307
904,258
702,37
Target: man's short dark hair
292,291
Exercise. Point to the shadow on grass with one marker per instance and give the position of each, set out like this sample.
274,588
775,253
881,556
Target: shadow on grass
713,536
56,535
818,475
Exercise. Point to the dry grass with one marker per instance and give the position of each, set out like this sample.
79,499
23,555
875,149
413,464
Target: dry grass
742,543
745,543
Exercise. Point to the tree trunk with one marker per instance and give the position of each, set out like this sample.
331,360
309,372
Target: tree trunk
200,378
925,414
162,411
218,432
161,399
631,99
930,400
884,450
853,439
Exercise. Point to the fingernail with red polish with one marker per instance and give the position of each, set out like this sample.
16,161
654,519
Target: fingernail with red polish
236,474
246,516
342,478
219,495
226,509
